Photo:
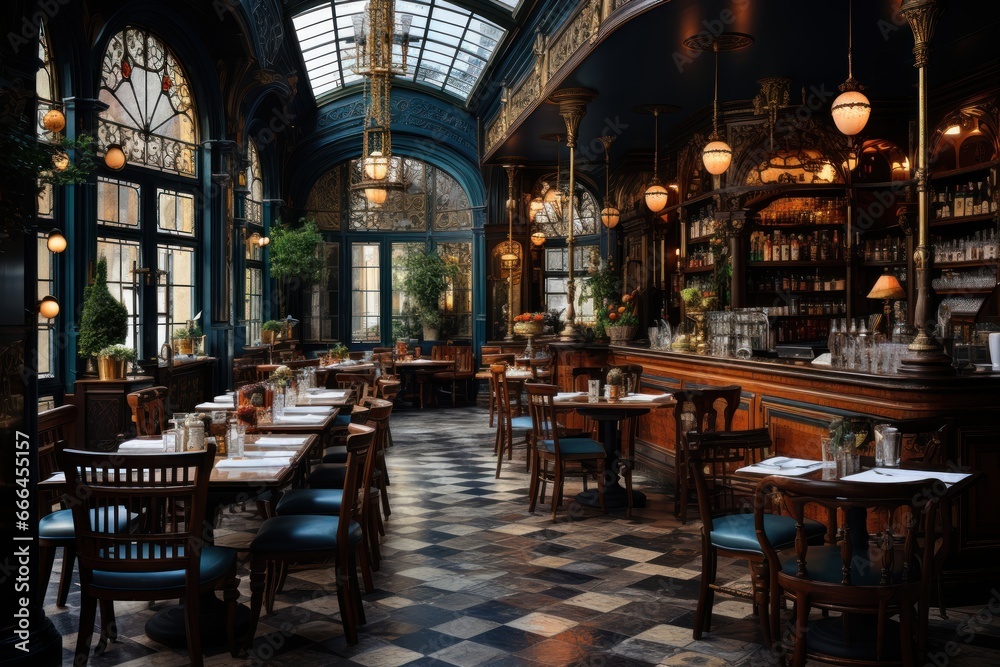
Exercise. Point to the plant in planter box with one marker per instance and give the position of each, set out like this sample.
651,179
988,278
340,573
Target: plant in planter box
104,320
425,278
184,339
296,256
621,317
602,287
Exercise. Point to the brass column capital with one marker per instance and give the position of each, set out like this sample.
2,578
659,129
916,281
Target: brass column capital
572,107
922,15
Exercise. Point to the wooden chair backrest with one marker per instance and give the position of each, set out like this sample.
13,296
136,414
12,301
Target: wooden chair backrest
505,358
702,404
244,371
462,354
57,424
712,457
501,390
149,410
582,375
541,407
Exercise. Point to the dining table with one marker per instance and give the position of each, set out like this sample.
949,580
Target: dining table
270,462
407,370
614,417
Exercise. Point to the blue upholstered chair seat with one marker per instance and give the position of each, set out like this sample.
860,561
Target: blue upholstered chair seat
342,419
327,476
824,565
335,454
310,501
575,446
301,533
736,532
215,563
521,423
59,524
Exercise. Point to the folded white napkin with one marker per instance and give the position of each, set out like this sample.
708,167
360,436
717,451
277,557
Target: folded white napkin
307,410
301,419
260,462
897,475
215,406
646,398
327,393
784,466
265,453
139,445
279,440
567,395
224,398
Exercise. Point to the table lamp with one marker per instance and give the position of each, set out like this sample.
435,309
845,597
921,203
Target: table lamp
888,289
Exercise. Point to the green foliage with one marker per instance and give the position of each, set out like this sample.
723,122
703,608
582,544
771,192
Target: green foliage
272,325
28,164
294,252
603,287
193,332
405,326
117,352
425,279
104,320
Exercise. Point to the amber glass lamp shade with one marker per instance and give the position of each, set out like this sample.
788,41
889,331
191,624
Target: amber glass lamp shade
48,307
850,112
887,287
54,120
55,241
716,157
538,239
656,197
610,215
376,166
114,158
376,196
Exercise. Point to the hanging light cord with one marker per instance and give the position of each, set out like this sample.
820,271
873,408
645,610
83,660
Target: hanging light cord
656,143
850,40
715,99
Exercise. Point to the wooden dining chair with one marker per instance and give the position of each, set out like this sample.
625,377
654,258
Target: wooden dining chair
881,568
318,539
728,528
462,371
149,410
163,557
507,423
698,410
56,430
579,456
488,360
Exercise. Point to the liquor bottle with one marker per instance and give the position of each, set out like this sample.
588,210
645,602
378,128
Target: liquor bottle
969,199
958,201
795,250
945,199
768,248
786,249
977,198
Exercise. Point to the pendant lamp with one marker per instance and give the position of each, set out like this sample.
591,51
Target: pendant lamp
851,109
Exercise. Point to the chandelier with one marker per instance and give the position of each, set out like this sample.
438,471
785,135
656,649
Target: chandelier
376,32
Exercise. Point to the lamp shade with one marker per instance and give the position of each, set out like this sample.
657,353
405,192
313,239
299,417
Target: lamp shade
48,307
376,166
54,120
656,197
538,239
610,216
887,287
55,241
114,157
850,112
716,157
376,196
509,260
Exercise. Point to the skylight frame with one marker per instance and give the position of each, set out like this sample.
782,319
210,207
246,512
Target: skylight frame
450,51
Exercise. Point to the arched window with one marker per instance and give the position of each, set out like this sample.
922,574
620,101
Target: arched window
253,203
430,204
147,218
150,111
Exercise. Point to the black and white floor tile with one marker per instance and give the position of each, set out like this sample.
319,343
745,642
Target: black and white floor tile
470,578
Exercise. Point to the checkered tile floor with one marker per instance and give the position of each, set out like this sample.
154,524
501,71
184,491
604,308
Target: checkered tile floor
470,578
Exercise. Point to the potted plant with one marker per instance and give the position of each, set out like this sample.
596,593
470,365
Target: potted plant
602,286
529,324
111,361
104,320
622,318
185,339
425,278
295,256
269,331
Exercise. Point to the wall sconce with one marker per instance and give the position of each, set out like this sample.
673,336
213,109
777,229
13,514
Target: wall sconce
538,239
114,157
55,241
48,307
54,120
258,240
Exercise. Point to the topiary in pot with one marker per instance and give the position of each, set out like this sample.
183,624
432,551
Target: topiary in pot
104,320
425,279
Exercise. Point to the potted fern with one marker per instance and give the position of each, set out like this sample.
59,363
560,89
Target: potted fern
104,320
112,361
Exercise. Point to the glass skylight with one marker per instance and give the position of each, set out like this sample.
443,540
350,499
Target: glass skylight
450,46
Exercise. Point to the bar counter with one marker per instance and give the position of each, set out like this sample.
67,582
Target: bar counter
797,401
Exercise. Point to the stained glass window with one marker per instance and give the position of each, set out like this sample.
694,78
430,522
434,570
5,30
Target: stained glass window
323,202
254,199
551,217
150,112
404,210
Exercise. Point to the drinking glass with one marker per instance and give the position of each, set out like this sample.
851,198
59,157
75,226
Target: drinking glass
278,406
828,447
236,439
888,452
593,391
879,432
170,440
